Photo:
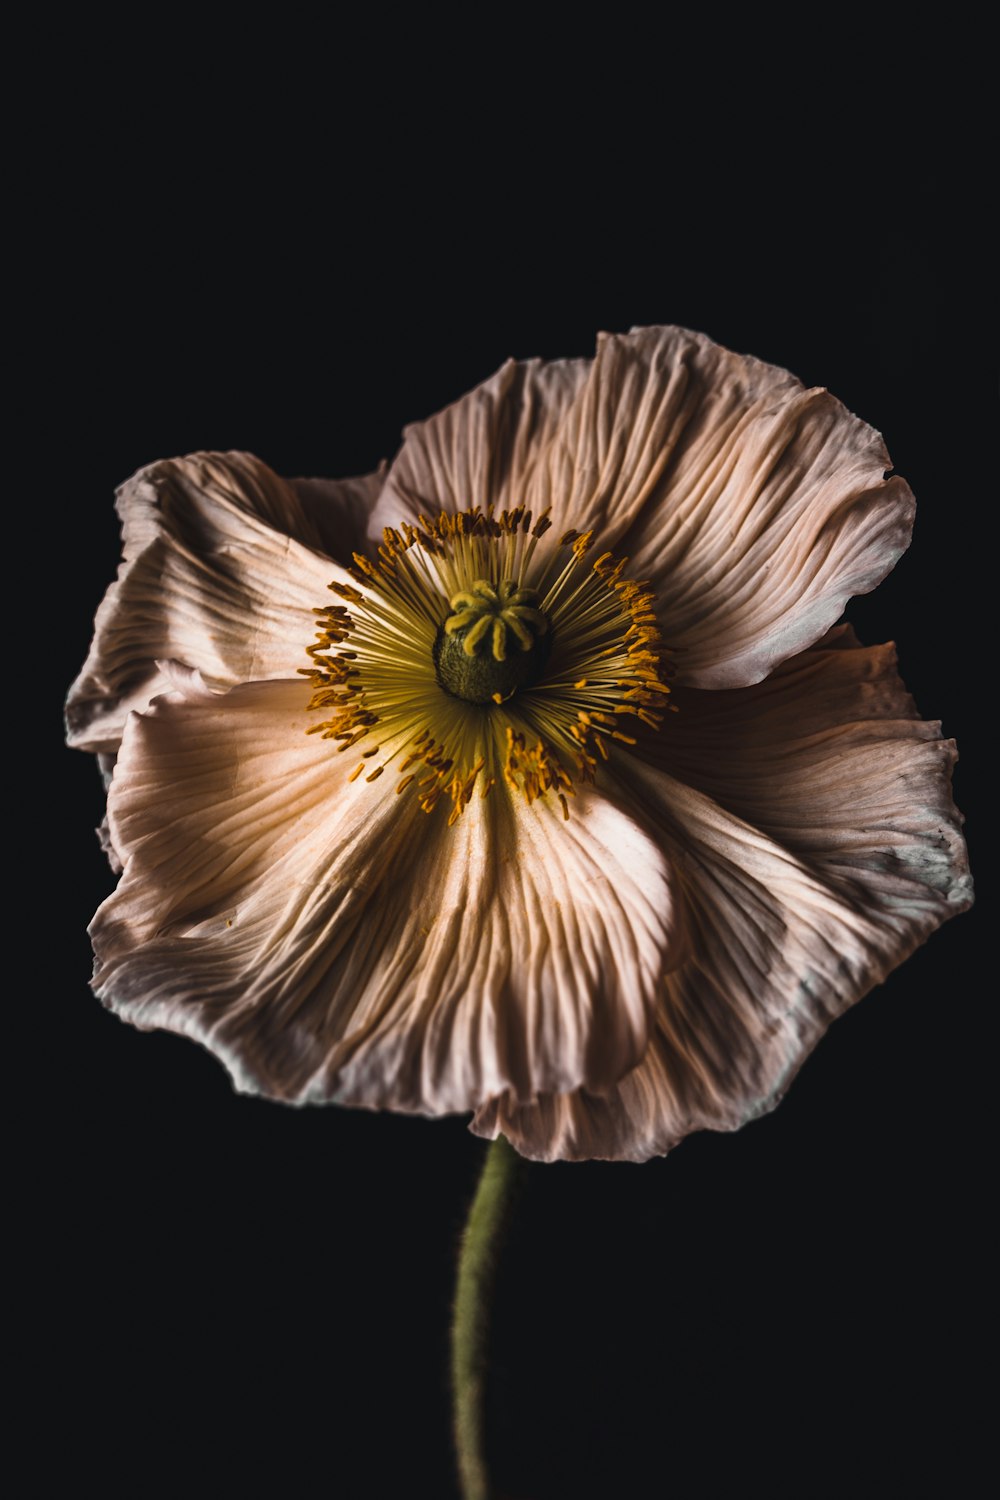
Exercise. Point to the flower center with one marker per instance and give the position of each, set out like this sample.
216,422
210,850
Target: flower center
475,653
496,642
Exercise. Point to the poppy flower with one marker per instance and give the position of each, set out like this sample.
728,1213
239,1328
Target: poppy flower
573,806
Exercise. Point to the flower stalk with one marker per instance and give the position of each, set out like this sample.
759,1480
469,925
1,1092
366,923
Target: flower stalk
478,1257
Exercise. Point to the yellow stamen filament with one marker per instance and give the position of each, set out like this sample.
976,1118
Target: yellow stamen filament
491,583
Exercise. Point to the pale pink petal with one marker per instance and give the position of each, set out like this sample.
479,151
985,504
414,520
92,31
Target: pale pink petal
506,443
106,766
107,846
816,846
755,507
222,570
771,510
338,511
329,940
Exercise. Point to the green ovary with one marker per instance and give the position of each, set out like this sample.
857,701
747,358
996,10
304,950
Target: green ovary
496,641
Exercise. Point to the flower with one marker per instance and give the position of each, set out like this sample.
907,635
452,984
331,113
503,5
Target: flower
576,808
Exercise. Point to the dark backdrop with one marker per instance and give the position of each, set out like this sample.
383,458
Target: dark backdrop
238,1296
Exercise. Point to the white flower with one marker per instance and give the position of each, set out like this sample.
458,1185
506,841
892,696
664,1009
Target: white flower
473,859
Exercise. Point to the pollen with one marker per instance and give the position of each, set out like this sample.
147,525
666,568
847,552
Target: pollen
477,652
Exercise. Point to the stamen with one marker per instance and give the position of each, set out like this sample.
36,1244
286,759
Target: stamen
476,654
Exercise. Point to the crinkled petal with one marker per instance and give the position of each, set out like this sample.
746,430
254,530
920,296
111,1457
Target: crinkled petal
771,511
329,940
755,507
338,511
222,569
816,845
509,442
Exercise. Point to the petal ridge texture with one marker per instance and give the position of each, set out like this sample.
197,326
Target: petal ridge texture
595,974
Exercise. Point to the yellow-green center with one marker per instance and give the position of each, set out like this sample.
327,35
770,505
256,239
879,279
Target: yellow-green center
525,685
496,641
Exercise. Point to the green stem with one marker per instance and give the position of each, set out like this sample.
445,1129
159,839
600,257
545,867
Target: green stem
477,1263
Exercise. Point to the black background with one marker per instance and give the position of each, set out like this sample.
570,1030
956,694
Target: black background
236,1296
